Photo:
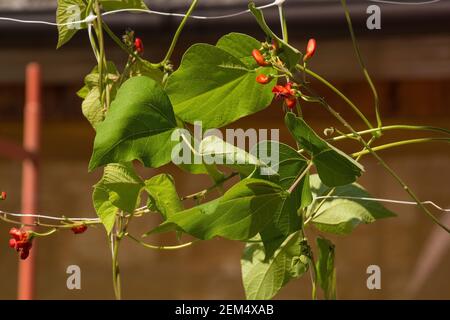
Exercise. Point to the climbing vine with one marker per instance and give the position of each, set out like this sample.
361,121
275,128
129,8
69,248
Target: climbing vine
136,111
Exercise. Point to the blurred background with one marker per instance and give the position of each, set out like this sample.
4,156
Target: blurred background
409,59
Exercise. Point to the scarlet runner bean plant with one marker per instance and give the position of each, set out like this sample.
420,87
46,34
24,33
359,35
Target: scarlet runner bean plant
136,111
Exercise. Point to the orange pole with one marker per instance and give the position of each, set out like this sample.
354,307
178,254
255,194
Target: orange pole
30,172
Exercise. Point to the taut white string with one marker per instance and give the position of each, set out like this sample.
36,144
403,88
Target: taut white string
91,18
384,200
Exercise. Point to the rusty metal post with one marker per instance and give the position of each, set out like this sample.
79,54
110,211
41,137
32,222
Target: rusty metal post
30,172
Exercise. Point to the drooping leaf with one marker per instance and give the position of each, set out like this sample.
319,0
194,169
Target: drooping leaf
288,54
334,167
216,150
342,214
118,189
242,212
67,13
326,270
163,195
90,93
216,87
109,5
263,278
138,126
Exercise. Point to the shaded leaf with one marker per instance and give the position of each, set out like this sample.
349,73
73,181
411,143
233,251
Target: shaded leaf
264,278
118,189
326,270
289,166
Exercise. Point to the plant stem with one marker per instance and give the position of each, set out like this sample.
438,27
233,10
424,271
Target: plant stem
284,29
101,60
300,177
392,127
361,63
116,268
178,33
150,246
385,165
45,234
397,144
204,192
313,275
338,92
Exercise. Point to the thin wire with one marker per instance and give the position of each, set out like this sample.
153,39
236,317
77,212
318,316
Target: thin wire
384,200
92,17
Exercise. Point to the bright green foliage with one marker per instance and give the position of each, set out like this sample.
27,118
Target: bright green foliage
138,126
163,196
69,11
216,84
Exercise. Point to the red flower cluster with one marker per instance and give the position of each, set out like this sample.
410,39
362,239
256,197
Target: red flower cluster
3,195
21,241
139,45
79,229
287,93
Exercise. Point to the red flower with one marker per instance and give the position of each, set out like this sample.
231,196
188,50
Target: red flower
21,242
287,93
139,45
263,79
12,243
284,91
15,233
310,49
3,195
291,102
259,58
79,229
